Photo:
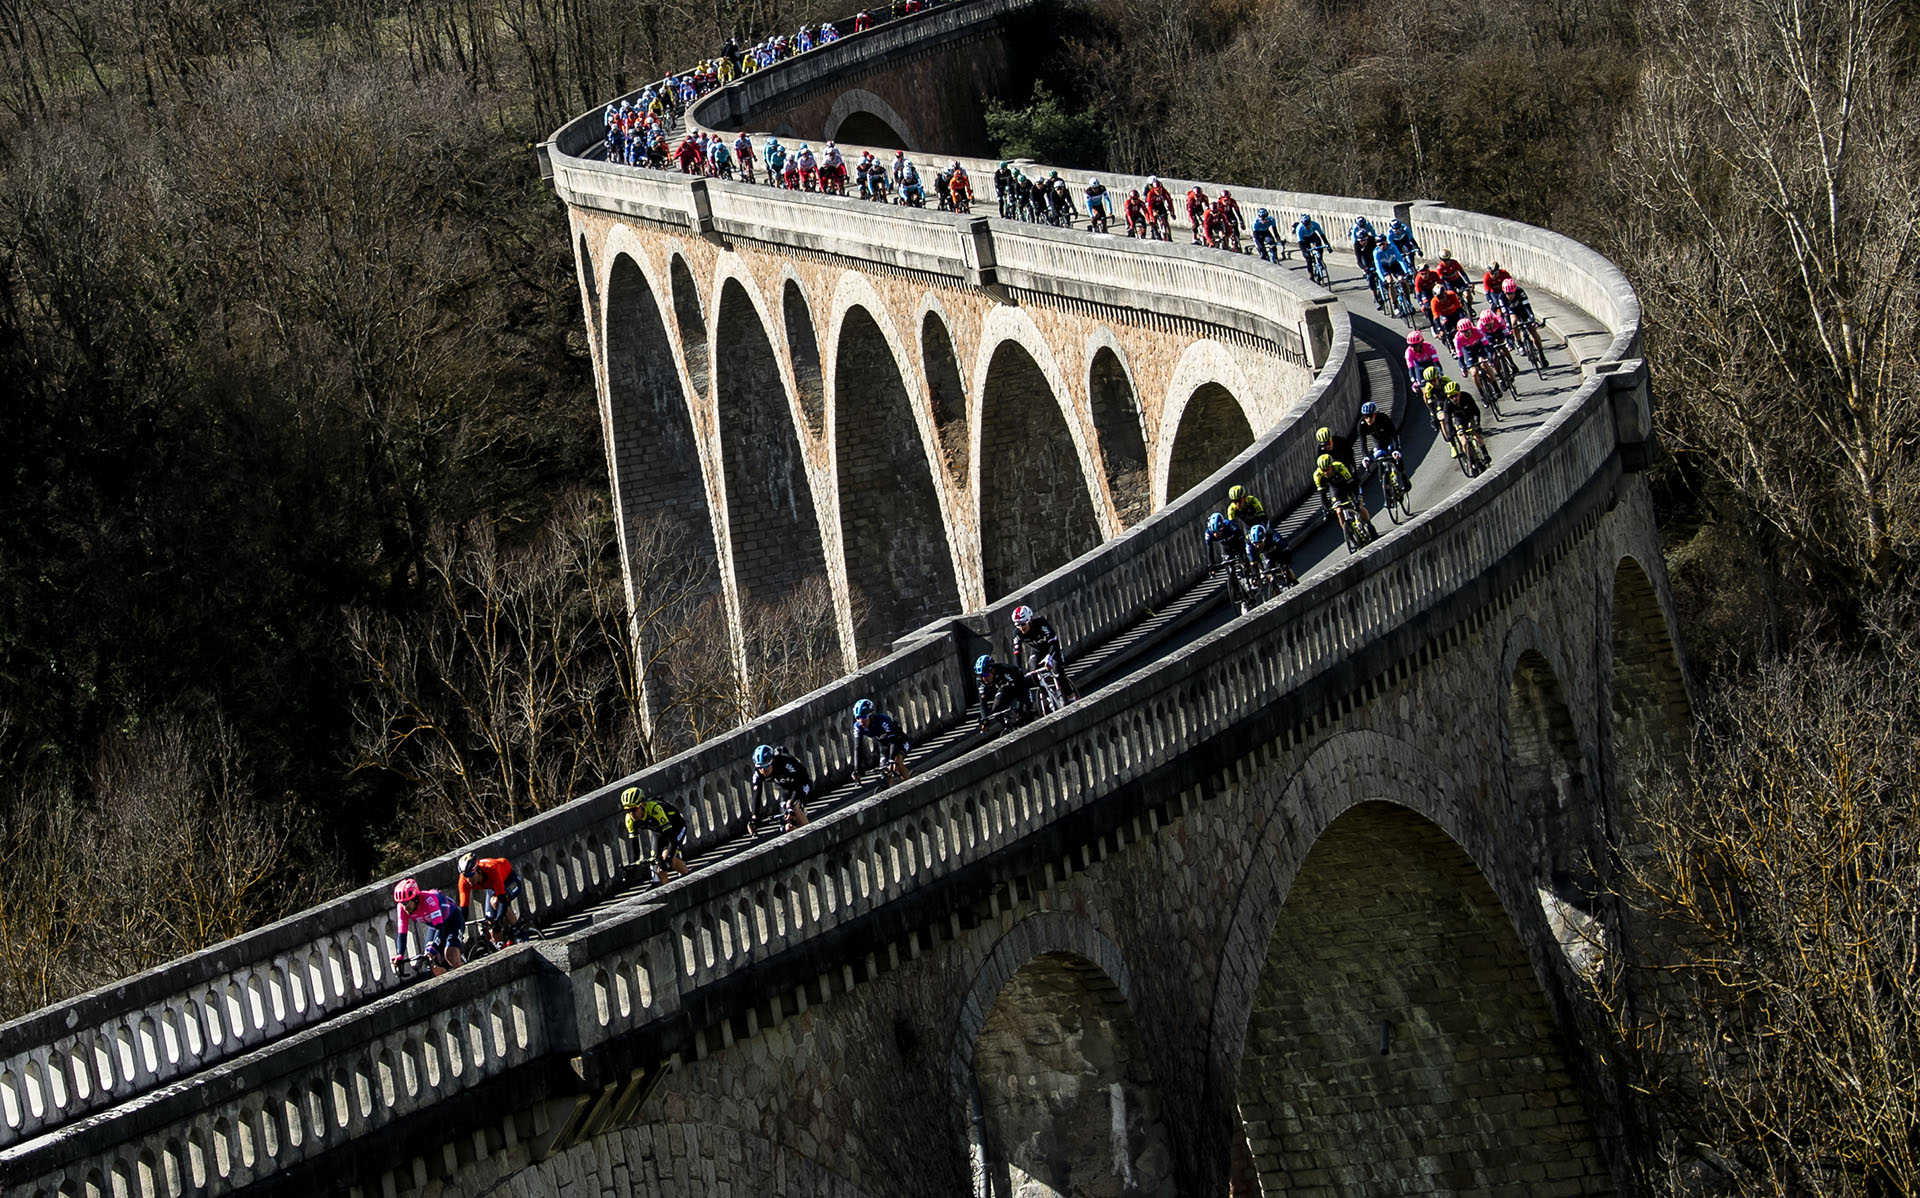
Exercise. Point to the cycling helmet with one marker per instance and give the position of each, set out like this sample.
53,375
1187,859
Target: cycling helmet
1305,219
1445,254
981,663
1453,388
1509,287
1004,164
1369,408
1216,524
406,892
1323,462
1323,435
863,709
1257,535
632,796
1236,493
1416,338
1262,212
1431,374
762,757
1093,180
829,143
1022,615
467,863
1153,180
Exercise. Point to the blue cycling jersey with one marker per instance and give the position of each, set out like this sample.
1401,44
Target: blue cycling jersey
1386,257
1306,230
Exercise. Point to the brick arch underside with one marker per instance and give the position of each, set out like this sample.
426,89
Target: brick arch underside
898,567
1399,1041
1066,1099
774,533
667,529
870,129
672,1160
1213,431
1035,512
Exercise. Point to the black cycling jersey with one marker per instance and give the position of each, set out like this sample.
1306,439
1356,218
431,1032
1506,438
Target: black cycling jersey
785,774
1378,428
884,731
1039,640
1463,411
1229,544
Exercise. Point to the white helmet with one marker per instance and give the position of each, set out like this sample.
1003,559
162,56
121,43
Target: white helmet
1153,180
1093,181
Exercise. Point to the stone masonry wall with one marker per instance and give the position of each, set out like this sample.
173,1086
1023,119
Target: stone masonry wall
860,1092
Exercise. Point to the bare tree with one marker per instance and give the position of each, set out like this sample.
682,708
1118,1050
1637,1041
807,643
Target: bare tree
1764,999
172,852
1773,169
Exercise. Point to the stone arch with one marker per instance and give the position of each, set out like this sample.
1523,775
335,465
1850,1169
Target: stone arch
1049,1074
1396,1009
693,325
773,530
1036,491
900,570
1118,423
1213,430
860,118
659,489
946,391
1649,705
1205,421
803,352
1549,785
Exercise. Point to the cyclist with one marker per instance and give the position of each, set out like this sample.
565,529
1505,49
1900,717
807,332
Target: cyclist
1389,267
1446,311
775,156
1401,238
1365,241
1462,416
1454,275
1323,441
1469,345
1035,642
1426,281
1432,393
1420,356
1310,236
1519,309
494,877
1220,231
1494,281
1003,188
1197,211
1244,507
862,21
1336,484
1493,327
1266,236
890,743
1001,688
1099,205
1136,212
1232,220
784,773
743,153
1159,209
1376,430
908,175
1269,554
1226,540
960,188
441,919
833,171
669,829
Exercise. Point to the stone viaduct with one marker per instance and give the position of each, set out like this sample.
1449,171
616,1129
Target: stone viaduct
1288,910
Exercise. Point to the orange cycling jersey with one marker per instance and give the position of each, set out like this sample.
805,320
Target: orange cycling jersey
493,871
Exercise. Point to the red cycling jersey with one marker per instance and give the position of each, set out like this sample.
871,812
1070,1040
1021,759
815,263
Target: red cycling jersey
493,871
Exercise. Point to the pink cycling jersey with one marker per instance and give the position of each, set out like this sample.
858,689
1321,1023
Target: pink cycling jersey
1421,356
1492,323
1469,337
433,908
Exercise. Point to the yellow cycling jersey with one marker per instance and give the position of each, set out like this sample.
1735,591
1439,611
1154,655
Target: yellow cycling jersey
1337,472
1247,511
